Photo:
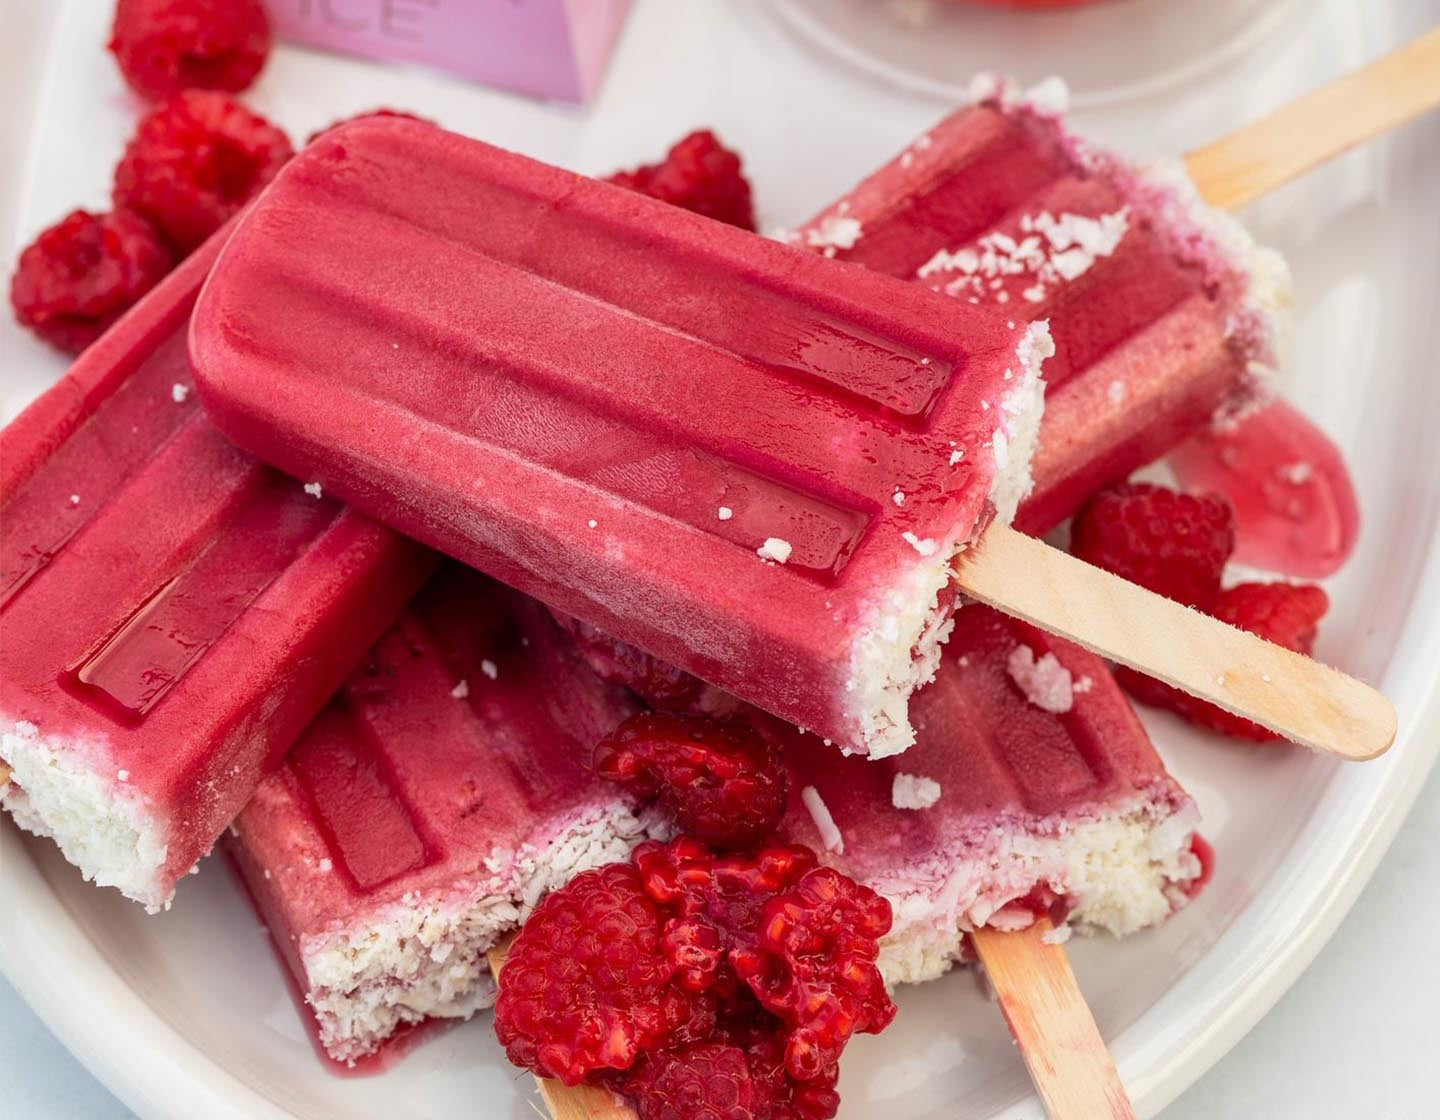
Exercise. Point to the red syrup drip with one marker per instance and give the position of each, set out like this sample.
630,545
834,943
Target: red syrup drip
1295,507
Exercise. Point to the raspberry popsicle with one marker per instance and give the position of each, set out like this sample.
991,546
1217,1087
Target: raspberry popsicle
1164,311
750,462
1033,790
386,869
174,613
428,808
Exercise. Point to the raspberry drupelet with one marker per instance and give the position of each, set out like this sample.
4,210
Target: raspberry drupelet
194,162
82,273
700,174
721,782
700,986
166,46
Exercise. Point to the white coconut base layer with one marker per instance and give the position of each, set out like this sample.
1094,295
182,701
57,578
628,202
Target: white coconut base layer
1122,872
100,826
423,956
899,643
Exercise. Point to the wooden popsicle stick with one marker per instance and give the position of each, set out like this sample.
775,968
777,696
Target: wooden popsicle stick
1239,168
5,772
1053,1027
1291,694
582,1102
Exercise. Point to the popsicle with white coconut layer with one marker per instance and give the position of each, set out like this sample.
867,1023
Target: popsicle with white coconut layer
446,789
172,612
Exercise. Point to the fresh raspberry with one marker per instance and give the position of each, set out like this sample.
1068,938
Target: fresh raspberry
714,904
803,938
700,174
79,275
712,1081
660,685
699,985
720,782
1285,613
194,162
165,46
1175,544
371,114
586,987
813,966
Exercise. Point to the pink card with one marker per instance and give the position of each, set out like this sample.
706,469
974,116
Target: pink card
546,48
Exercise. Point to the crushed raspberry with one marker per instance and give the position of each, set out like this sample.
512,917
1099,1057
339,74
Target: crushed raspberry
700,174
720,782
79,275
1175,544
371,114
715,903
813,966
711,1081
1288,614
660,685
700,985
194,162
165,46
586,987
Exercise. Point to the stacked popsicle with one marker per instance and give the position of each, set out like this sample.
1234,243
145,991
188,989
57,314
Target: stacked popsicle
448,787
174,612
1163,310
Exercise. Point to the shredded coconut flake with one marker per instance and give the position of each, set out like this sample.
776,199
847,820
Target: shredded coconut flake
489,668
74,499
1057,936
824,823
1046,683
726,513
179,392
1049,251
461,690
913,791
775,549
834,232
898,497
314,489
1297,474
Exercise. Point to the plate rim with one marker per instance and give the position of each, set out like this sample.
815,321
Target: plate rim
158,1074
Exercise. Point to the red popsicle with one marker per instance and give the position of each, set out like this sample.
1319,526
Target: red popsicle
752,463
173,612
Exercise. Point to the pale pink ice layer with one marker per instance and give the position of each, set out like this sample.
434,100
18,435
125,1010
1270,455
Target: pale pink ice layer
1165,314
749,461
173,612
429,807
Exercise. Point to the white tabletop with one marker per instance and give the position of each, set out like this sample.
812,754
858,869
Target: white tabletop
1356,1036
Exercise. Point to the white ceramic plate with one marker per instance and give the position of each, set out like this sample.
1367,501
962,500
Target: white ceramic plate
187,1014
